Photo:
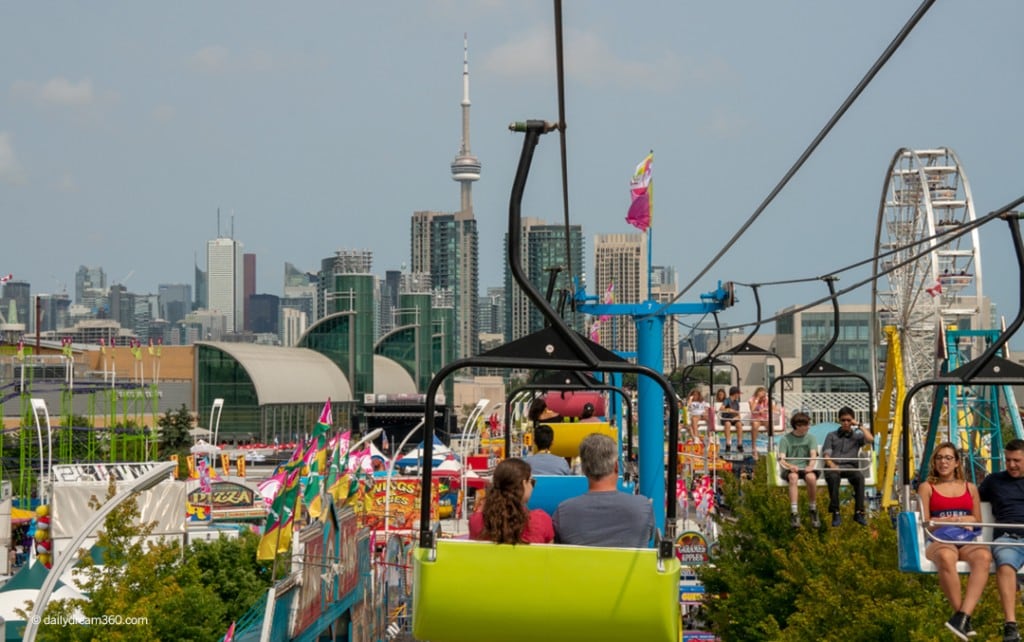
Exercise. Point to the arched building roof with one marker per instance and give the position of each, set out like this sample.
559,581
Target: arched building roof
390,378
288,375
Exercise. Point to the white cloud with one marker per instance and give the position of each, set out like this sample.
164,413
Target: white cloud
10,169
67,183
724,124
218,59
212,59
163,113
58,91
589,60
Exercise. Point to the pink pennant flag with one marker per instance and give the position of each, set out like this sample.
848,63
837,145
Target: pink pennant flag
639,214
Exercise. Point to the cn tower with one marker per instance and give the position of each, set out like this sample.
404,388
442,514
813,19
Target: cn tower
466,166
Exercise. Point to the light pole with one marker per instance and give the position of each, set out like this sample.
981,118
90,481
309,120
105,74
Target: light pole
215,412
39,405
154,476
387,479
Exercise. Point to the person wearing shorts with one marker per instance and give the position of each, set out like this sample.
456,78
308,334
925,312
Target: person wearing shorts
1005,491
798,459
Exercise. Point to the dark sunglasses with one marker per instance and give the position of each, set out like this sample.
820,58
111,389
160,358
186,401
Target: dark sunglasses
533,482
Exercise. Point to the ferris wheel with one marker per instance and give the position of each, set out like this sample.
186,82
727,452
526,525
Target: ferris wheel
925,286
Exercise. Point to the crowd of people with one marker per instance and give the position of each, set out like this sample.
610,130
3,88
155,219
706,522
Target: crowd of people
726,410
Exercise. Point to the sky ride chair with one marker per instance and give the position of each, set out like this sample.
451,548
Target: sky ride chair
551,490
747,348
989,369
464,591
818,368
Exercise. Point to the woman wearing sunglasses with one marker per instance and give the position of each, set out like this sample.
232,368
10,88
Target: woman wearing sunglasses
504,518
947,499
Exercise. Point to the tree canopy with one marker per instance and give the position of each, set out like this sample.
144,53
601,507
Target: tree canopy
774,582
152,591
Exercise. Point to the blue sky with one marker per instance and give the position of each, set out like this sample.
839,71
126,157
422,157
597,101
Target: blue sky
324,125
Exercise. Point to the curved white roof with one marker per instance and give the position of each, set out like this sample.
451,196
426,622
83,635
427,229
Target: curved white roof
288,375
390,378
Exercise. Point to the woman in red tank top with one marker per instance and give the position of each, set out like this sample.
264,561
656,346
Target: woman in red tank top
948,498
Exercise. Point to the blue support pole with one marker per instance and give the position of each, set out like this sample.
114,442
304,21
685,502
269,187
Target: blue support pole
649,340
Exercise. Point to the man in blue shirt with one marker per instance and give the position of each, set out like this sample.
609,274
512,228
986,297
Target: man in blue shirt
543,462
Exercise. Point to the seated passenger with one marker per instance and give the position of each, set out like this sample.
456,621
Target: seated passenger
798,454
841,453
730,416
947,498
543,462
587,413
504,518
603,516
539,412
1005,491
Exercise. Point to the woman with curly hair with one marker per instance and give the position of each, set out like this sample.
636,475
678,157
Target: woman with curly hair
504,518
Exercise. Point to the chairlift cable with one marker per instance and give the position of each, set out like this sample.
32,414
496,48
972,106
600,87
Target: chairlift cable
997,214
889,51
560,77
946,237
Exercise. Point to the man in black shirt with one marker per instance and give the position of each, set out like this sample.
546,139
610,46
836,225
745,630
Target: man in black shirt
1005,491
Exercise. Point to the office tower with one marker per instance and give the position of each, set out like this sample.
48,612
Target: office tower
202,288
621,260
122,306
54,312
248,286
264,313
543,252
492,311
446,245
299,295
388,301
17,297
293,324
346,285
175,301
89,278
224,280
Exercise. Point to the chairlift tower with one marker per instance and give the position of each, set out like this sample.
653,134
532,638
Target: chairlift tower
649,318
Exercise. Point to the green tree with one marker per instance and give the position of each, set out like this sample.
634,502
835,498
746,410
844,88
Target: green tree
174,427
170,596
777,583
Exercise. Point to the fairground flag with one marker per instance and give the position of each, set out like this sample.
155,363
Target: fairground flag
318,464
277,532
639,215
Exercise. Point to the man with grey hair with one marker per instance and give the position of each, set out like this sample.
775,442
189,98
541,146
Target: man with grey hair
603,516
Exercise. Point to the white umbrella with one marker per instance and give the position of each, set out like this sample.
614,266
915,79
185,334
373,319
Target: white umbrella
11,600
204,448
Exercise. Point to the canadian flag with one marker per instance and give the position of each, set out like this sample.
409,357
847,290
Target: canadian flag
5,278
935,290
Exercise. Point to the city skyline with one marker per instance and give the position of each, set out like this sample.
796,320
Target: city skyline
121,155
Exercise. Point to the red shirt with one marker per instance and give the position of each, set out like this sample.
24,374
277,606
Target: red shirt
539,530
